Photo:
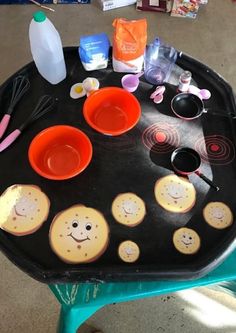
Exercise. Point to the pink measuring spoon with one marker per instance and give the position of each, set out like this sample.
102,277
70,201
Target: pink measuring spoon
201,93
158,94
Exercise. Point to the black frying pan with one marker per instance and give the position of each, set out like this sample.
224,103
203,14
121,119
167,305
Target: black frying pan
187,106
186,161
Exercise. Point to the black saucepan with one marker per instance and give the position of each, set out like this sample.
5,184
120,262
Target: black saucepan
186,161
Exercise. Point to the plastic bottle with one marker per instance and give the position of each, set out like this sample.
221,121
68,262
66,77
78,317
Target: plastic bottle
46,48
158,61
184,81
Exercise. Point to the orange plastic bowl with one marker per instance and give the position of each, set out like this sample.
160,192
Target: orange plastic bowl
112,110
60,152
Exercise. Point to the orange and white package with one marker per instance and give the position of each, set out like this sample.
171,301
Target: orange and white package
129,43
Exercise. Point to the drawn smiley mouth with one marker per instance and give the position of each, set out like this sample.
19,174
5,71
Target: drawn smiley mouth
17,213
186,243
176,197
78,240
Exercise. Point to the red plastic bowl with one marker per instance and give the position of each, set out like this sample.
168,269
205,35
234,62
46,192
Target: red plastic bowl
60,152
112,110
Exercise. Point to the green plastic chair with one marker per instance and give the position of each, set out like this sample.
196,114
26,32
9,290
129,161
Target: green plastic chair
80,301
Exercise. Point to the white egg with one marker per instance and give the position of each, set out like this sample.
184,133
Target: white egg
77,91
90,84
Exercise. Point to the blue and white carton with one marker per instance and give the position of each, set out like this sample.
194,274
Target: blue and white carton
94,51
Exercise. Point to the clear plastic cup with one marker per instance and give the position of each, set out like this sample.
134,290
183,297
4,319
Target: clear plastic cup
158,62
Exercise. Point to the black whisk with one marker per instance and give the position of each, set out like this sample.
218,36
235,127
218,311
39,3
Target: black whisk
45,104
20,85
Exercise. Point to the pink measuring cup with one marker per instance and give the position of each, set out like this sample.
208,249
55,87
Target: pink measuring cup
130,82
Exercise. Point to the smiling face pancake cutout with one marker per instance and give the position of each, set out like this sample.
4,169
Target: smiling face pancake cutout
79,234
175,194
128,209
186,241
218,215
23,209
128,251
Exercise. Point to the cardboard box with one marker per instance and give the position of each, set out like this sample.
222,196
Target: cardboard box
154,5
112,4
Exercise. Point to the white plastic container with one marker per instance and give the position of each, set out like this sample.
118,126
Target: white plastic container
46,48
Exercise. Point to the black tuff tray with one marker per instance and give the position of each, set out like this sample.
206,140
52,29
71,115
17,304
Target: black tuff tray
128,163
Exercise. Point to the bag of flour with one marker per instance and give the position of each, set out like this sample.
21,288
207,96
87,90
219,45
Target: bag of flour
129,42
93,51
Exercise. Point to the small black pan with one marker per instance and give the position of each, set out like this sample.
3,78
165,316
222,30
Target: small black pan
187,106
186,161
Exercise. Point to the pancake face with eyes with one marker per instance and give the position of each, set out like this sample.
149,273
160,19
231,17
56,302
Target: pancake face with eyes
128,209
23,209
218,215
175,194
128,251
186,241
79,234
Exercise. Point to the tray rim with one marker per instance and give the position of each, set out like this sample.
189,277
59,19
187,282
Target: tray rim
127,273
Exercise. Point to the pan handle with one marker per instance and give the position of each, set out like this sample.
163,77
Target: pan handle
207,180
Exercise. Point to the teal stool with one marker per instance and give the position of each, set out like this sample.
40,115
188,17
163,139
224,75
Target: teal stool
80,301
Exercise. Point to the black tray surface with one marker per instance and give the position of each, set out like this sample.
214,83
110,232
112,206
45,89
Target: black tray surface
126,163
